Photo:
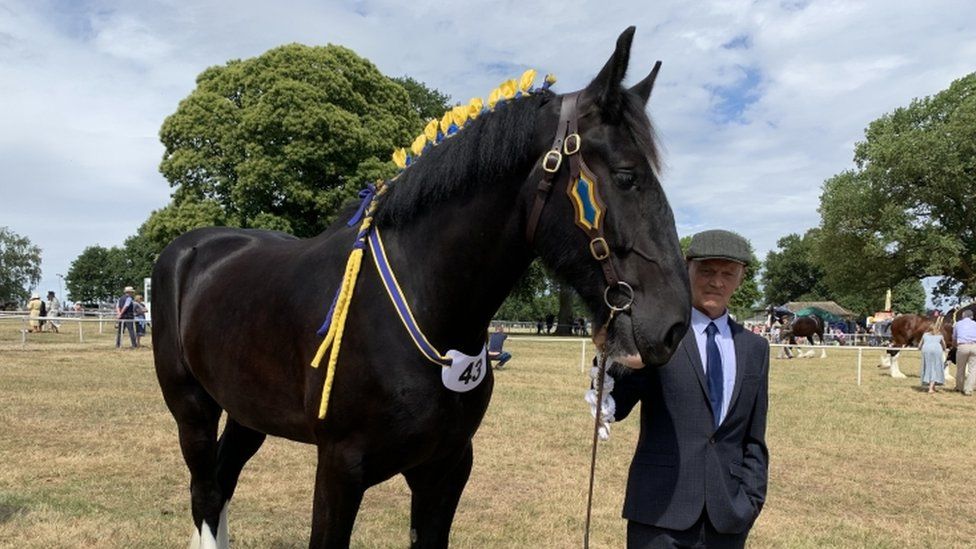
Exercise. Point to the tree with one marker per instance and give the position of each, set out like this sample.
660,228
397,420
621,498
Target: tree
99,274
280,141
791,274
907,210
427,102
20,266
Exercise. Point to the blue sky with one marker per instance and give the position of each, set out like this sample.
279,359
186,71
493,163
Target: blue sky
757,102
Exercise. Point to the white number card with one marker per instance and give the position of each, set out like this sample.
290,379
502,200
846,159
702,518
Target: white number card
466,372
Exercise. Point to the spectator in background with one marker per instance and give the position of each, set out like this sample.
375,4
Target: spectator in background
139,312
125,313
496,342
550,320
53,310
964,338
932,346
34,313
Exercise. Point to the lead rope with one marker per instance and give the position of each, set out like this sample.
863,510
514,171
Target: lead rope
602,368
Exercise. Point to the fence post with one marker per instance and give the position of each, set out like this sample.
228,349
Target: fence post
583,357
81,334
23,333
859,351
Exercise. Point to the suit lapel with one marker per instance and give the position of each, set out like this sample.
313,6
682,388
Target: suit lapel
741,363
690,345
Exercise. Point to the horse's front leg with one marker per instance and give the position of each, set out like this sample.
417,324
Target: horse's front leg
436,487
339,491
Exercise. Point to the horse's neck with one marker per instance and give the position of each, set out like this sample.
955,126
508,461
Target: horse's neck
457,263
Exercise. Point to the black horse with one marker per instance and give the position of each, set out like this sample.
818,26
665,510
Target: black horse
793,327
236,311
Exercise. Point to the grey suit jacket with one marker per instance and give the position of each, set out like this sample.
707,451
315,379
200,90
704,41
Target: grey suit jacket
682,464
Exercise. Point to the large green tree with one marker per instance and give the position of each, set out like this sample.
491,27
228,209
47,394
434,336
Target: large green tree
427,102
99,274
20,266
790,273
908,209
280,141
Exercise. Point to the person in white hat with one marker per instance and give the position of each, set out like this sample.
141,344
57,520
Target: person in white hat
34,312
125,312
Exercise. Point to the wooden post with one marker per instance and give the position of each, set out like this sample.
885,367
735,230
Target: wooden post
583,358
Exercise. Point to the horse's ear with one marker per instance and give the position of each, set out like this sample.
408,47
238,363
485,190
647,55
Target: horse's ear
644,87
605,88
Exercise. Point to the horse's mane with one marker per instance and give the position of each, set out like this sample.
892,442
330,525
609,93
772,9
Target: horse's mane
488,149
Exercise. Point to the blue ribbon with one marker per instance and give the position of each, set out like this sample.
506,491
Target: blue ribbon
366,195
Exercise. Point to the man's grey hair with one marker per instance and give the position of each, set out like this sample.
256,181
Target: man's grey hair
968,313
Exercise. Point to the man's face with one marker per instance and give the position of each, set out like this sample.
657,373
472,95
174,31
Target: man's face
713,281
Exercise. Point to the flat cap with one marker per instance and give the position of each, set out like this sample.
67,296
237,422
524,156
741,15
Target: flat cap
719,244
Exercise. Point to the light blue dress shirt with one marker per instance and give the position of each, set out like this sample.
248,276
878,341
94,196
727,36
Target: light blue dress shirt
699,322
964,331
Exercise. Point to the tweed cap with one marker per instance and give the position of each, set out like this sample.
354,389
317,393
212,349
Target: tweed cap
719,244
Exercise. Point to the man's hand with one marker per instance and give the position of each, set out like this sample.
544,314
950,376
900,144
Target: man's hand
607,408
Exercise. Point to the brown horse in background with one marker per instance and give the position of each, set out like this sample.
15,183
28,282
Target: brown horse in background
907,331
797,327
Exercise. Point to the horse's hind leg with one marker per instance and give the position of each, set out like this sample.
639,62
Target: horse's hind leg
436,488
197,416
237,444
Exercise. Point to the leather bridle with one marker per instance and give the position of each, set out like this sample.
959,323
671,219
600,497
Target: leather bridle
583,192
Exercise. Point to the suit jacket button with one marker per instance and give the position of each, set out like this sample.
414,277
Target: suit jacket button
711,440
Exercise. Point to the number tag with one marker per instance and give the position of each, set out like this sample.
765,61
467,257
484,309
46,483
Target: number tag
466,372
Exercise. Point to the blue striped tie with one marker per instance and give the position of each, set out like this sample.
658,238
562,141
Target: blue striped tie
716,382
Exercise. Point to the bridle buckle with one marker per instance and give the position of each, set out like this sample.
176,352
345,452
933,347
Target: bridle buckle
571,145
599,248
552,161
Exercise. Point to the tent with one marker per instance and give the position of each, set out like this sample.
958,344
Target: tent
824,315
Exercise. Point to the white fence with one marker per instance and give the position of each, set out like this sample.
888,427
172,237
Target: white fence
18,325
107,324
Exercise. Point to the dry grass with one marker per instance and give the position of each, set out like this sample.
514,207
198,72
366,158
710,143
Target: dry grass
88,456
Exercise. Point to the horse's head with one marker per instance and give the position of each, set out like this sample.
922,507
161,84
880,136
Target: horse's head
606,226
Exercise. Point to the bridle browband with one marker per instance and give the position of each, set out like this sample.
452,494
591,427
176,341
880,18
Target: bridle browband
583,192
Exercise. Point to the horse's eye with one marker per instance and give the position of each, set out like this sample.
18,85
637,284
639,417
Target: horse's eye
625,180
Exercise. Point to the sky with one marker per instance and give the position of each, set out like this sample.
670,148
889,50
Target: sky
757,102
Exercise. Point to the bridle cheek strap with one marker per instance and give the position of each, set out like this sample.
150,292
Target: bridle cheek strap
552,162
581,188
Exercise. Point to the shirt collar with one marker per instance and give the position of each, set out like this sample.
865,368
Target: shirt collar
699,322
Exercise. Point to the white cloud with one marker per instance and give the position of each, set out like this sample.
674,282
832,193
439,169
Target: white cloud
85,87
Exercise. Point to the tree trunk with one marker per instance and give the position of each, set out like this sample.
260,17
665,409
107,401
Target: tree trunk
565,316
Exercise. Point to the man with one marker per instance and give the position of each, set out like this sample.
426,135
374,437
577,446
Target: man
125,313
964,339
495,343
53,310
698,478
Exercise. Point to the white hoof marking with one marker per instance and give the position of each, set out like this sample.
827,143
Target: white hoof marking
223,531
207,540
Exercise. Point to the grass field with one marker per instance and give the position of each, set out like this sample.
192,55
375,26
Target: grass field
88,456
